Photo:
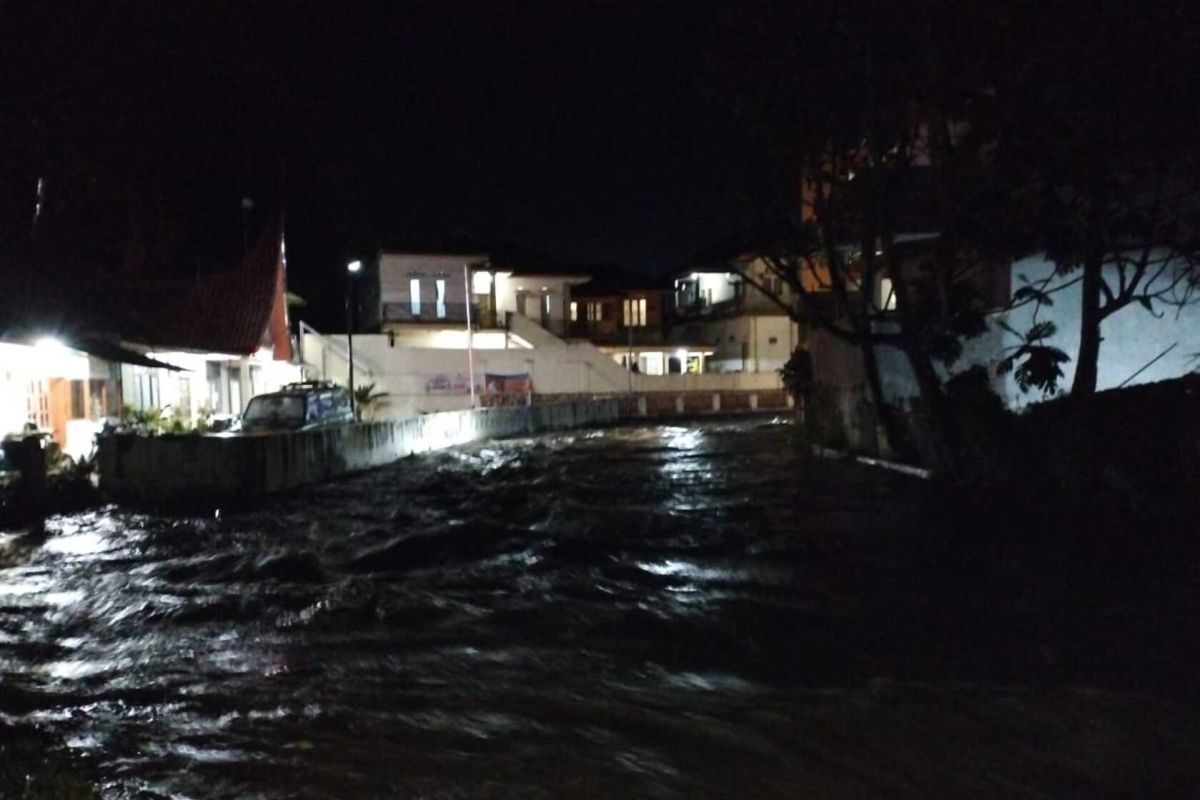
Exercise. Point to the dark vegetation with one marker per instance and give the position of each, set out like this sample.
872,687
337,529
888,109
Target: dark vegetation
994,136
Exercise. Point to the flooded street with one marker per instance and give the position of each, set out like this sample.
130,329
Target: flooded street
662,612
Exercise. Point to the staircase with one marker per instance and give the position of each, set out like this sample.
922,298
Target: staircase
607,371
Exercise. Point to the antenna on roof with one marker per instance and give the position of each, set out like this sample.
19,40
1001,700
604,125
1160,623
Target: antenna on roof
37,206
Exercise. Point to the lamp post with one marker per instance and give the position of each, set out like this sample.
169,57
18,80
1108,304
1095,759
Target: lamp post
470,334
352,270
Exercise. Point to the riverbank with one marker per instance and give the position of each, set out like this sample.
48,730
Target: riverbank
1129,450
173,470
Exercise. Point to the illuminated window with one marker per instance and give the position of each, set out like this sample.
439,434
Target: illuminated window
887,297
595,312
574,311
414,294
635,312
440,286
481,282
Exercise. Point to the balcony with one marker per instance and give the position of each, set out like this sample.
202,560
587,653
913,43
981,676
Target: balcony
439,314
701,307
609,333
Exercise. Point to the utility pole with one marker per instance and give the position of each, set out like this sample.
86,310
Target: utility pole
470,335
352,270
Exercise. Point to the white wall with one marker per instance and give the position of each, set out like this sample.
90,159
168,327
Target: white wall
189,390
726,337
558,288
21,365
1132,337
422,380
456,339
397,271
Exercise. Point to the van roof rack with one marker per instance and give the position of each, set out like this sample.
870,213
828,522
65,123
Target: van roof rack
310,385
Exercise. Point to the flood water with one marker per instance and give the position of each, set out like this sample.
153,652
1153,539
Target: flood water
667,612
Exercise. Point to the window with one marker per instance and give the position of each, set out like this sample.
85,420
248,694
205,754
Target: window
414,295
98,398
440,288
214,387
595,312
887,296
78,406
235,390
146,389
38,401
773,340
635,312
185,395
481,282
574,311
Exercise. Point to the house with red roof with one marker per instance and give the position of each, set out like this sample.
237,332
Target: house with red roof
74,352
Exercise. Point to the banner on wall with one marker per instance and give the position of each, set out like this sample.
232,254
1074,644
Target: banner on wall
448,383
518,383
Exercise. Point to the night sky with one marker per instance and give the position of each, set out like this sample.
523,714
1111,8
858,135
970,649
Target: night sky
593,131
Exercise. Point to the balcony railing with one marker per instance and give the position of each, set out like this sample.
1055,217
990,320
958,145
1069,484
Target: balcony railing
438,313
607,332
703,308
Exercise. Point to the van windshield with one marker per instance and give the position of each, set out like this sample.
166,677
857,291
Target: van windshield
275,410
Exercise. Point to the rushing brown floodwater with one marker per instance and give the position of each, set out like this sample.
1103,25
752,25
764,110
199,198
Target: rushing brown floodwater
653,612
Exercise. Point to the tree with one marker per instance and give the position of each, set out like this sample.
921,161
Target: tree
1101,156
891,169
1020,142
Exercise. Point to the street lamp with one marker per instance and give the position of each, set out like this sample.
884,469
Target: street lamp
352,270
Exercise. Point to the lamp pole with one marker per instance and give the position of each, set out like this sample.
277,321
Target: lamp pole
470,333
352,270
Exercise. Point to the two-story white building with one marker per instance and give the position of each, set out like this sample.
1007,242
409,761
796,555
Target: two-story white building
424,289
715,308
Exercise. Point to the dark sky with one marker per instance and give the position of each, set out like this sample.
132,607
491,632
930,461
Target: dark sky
594,130
588,129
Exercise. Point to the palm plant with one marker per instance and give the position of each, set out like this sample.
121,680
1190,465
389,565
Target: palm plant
367,401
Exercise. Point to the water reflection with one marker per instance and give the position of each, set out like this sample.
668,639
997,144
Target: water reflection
620,613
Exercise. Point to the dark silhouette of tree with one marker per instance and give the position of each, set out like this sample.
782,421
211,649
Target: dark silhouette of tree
992,130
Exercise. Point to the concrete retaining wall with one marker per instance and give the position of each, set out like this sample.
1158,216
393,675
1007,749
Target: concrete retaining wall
173,468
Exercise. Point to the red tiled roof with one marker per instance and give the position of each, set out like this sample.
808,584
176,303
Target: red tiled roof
236,311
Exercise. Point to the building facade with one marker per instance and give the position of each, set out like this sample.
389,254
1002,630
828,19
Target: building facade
745,329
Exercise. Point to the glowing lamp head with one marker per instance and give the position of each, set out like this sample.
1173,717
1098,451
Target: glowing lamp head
354,267
49,344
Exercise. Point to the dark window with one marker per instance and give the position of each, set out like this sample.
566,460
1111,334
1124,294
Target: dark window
773,340
78,406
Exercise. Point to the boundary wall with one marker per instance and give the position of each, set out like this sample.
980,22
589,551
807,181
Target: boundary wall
164,469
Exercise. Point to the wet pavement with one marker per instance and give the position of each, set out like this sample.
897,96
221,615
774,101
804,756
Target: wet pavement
635,612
